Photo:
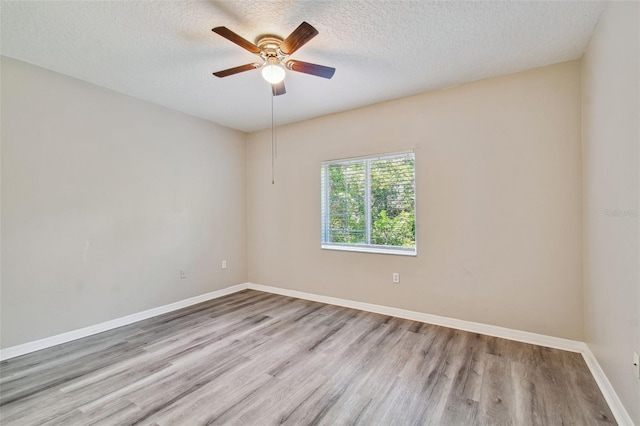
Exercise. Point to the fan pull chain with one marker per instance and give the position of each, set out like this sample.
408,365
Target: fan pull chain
273,143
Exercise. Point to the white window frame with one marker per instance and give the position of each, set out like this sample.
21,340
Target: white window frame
365,248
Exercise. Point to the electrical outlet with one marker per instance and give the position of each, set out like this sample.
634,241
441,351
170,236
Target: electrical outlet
183,274
396,277
636,364
224,264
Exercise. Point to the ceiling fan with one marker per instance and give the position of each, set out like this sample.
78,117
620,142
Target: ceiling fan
274,52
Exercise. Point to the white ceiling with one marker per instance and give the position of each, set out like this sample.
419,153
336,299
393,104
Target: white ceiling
165,52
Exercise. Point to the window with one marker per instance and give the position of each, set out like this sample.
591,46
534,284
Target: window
368,204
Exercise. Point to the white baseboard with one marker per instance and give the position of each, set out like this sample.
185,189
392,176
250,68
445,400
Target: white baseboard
58,339
618,410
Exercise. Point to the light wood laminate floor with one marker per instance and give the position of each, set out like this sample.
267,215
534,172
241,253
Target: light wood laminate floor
254,358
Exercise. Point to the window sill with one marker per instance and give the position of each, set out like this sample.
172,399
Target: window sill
365,249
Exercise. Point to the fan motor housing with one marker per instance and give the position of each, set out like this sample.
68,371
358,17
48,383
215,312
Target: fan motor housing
269,45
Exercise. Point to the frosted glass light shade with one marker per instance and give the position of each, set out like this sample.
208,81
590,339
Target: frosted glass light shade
273,74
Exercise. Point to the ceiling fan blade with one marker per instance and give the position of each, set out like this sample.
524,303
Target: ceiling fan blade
309,68
278,89
298,38
236,70
235,38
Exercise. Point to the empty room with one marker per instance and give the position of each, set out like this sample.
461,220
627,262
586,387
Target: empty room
320,212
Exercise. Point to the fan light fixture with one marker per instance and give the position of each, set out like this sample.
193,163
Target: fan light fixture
274,74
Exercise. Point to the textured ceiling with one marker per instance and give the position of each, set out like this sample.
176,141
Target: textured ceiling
165,52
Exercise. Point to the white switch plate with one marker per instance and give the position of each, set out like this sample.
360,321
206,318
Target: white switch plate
224,264
396,277
636,364
183,274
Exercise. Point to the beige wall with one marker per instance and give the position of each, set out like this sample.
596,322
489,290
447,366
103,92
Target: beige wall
498,203
104,199
611,135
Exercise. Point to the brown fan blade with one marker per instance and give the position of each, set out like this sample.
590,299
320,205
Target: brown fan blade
236,70
313,69
235,38
298,38
278,89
